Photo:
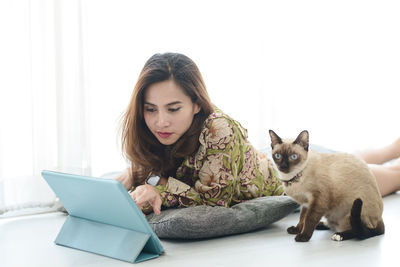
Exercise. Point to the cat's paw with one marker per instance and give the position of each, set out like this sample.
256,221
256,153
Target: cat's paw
337,237
302,238
293,230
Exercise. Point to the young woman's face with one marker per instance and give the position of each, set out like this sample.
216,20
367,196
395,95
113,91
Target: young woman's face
168,112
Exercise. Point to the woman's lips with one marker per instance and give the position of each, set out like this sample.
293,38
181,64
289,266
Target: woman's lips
164,134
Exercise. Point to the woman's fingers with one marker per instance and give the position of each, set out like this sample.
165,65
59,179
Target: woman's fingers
146,195
156,204
154,201
141,199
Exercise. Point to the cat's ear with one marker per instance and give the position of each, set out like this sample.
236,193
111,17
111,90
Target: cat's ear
302,140
275,139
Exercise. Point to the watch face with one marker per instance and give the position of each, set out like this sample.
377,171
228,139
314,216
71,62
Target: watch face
153,180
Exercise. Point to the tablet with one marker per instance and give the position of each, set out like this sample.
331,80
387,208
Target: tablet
102,207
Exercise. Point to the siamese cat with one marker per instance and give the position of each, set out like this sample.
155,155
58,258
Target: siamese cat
339,186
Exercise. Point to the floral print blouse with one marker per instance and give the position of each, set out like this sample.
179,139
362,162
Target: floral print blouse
225,170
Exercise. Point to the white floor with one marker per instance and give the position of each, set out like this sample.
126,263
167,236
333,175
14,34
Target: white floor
28,241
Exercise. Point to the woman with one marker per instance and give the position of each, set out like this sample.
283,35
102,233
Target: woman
172,130
202,156
387,175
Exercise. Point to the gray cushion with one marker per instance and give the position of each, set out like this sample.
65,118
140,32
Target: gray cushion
205,221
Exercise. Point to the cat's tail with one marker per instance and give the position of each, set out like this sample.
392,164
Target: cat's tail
358,227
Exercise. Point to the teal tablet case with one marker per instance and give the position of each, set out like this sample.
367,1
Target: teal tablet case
103,218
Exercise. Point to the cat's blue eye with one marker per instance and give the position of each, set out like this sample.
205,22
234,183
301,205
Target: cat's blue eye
294,156
277,156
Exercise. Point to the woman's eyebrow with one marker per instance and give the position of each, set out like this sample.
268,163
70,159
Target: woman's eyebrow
169,104
174,103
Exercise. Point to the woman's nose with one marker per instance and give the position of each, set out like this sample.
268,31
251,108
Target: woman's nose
162,120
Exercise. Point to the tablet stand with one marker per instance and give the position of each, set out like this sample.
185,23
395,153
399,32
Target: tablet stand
105,239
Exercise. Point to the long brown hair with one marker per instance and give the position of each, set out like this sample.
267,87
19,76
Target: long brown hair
141,148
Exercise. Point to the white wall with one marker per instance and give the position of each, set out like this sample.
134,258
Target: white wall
331,67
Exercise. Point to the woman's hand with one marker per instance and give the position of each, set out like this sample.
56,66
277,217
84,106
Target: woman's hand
126,179
147,194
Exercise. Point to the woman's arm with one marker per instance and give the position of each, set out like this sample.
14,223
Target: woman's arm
126,179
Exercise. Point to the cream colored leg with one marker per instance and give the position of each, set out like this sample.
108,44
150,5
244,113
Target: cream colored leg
381,155
387,177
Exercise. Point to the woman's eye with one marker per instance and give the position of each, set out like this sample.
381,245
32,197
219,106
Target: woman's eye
149,109
277,156
174,109
293,156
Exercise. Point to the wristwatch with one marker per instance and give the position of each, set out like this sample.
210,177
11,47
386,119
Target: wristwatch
153,180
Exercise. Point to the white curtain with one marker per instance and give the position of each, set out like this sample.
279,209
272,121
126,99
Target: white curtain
43,100
68,68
